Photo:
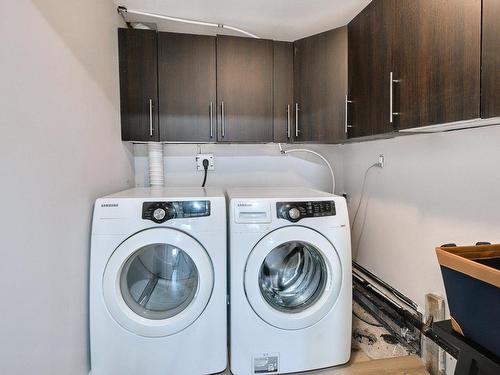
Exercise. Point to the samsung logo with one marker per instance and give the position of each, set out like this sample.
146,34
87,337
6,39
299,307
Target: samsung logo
245,204
109,205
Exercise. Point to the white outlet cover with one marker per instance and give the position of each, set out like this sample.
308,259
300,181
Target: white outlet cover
199,162
381,161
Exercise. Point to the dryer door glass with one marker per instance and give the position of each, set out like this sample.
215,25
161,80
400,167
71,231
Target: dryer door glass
293,276
158,281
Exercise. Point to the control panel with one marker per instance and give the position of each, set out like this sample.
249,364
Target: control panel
159,212
295,211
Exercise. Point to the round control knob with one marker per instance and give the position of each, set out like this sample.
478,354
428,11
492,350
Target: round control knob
159,214
294,213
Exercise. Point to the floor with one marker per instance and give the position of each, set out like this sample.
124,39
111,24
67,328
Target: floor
407,365
372,339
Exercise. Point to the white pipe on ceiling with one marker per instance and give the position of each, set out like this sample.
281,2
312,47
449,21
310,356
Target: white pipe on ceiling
122,10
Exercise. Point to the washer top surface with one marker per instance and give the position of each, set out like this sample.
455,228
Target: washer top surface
168,193
276,193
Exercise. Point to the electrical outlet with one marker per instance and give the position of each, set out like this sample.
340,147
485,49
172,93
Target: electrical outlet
199,162
381,161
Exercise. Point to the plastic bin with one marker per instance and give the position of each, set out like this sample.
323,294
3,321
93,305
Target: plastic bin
471,276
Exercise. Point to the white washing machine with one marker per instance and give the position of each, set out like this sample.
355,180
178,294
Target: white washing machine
290,280
158,283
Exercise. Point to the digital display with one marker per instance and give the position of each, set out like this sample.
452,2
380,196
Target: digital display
194,207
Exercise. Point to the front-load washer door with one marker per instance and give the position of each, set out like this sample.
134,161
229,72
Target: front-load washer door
158,282
293,277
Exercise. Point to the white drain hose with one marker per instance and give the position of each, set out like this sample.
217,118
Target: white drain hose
155,159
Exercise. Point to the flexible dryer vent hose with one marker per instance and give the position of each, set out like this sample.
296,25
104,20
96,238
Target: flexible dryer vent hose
155,159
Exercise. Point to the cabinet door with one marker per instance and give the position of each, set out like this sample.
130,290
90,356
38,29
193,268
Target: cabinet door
320,86
283,91
370,39
245,89
436,59
138,84
187,87
490,98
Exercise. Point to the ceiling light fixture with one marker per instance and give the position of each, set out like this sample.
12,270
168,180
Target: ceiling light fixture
122,10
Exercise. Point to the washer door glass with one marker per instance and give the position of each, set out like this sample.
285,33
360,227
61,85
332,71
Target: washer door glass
293,276
158,281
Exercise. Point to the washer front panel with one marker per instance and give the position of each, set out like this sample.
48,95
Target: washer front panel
158,282
293,277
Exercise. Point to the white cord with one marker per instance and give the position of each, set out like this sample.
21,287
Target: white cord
314,153
362,194
184,20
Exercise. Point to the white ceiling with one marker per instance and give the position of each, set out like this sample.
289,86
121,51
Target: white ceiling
272,19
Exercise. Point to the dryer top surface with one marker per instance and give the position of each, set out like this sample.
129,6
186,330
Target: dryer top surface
169,193
276,193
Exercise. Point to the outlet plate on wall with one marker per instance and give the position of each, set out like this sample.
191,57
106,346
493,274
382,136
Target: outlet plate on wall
381,161
199,161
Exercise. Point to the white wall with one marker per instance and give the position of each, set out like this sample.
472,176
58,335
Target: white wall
243,165
60,149
434,189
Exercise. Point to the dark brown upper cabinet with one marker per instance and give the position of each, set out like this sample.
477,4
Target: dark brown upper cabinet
187,87
283,92
490,95
244,89
138,84
413,63
320,86
436,62
370,63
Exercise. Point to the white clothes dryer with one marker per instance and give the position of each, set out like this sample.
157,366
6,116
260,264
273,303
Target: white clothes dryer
158,282
290,280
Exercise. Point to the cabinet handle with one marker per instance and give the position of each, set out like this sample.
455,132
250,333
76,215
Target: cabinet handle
150,117
297,130
288,121
223,120
392,81
347,101
211,120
